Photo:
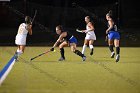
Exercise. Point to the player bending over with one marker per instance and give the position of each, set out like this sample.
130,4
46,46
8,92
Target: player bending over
66,39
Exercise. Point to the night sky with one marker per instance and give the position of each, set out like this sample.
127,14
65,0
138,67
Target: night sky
66,12
69,3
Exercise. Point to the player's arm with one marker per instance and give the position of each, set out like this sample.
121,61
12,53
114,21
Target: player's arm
90,25
60,39
110,22
30,29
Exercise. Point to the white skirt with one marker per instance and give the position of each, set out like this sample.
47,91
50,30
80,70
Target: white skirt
90,35
20,39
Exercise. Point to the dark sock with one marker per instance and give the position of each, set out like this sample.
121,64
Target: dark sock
111,48
78,53
62,52
91,53
118,50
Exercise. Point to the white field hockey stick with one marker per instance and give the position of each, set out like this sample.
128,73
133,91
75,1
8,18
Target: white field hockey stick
79,30
34,16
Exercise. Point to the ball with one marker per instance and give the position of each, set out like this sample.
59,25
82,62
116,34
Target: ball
54,50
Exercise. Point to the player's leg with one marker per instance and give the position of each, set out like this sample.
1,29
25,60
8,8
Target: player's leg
73,48
16,53
84,46
62,52
91,46
20,49
20,42
117,45
110,43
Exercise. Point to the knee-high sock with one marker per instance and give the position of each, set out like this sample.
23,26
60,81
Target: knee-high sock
78,53
19,52
111,48
91,46
84,48
118,50
62,52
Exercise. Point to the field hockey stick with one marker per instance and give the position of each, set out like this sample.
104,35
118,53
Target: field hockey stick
79,31
106,38
34,16
40,55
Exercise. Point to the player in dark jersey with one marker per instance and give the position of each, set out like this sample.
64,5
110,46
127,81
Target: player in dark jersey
113,37
65,38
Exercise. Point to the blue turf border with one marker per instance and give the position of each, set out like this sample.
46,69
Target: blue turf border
6,66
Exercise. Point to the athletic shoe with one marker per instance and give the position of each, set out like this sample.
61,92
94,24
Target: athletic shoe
91,53
83,58
117,57
112,55
61,59
16,56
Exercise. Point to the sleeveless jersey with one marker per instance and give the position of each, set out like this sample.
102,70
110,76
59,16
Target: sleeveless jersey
23,29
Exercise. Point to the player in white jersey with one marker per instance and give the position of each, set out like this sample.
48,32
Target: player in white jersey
20,39
90,35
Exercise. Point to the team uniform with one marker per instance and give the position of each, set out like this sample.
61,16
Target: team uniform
70,38
90,34
113,33
20,39
21,35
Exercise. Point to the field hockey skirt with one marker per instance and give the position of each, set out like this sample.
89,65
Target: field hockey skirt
20,39
90,35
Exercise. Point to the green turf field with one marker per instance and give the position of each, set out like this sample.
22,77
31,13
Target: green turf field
98,74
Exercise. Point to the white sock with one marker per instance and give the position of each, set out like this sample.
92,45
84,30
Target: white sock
84,48
112,52
19,52
90,46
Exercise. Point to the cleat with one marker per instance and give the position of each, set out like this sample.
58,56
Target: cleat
83,58
117,58
61,59
91,53
16,60
16,57
112,55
